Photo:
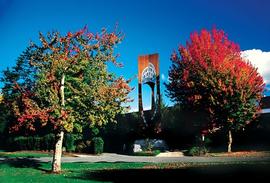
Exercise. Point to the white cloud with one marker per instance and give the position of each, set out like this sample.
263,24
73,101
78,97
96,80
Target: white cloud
261,60
163,77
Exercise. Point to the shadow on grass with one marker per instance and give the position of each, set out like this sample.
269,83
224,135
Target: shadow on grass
203,174
23,163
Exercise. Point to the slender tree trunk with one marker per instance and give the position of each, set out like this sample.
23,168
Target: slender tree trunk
230,141
62,92
56,164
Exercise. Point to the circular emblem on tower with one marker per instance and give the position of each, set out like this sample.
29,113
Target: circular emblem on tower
149,74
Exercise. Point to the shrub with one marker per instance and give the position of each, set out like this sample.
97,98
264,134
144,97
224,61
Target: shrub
147,153
80,147
95,131
198,151
10,144
23,143
98,145
83,146
48,142
200,148
69,143
36,143
148,145
31,143
19,142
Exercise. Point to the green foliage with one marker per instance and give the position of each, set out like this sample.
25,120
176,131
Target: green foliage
147,153
23,143
32,143
63,83
148,145
37,143
24,154
48,142
200,148
83,146
27,143
95,131
69,141
92,95
198,151
21,74
98,144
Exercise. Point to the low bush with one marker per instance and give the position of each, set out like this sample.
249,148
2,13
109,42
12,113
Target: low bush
48,142
198,151
147,153
31,143
98,145
69,142
200,148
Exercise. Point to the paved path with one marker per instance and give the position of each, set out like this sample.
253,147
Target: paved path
110,157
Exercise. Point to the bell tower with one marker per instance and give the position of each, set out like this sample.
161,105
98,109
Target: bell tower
148,73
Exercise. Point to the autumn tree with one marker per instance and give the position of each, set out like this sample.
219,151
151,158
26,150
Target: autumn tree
22,74
208,74
70,85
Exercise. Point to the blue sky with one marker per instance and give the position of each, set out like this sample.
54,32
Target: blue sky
150,26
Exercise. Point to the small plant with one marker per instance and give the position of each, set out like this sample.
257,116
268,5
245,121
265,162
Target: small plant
200,148
147,153
98,145
148,145
198,151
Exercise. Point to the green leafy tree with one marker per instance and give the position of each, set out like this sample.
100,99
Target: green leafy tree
210,75
71,86
22,74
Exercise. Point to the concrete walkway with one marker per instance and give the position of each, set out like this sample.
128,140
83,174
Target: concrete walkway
111,157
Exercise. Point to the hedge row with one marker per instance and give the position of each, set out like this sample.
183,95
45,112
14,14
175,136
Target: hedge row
31,143
47,143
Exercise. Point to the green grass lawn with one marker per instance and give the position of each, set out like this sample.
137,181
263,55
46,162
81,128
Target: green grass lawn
25,170
25,154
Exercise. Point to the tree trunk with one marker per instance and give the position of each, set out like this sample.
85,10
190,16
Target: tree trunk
62,92
230,141
56,164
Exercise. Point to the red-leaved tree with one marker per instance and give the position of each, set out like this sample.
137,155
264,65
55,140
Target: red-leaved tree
209,74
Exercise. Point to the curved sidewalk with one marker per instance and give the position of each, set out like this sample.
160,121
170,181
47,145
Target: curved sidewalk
111,157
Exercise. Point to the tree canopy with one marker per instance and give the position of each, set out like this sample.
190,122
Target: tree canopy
208,74
63,83
93,95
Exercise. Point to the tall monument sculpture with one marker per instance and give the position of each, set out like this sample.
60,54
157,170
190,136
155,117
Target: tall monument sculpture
148,73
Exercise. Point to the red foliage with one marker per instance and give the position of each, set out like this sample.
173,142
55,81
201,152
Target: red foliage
28,112
209,73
